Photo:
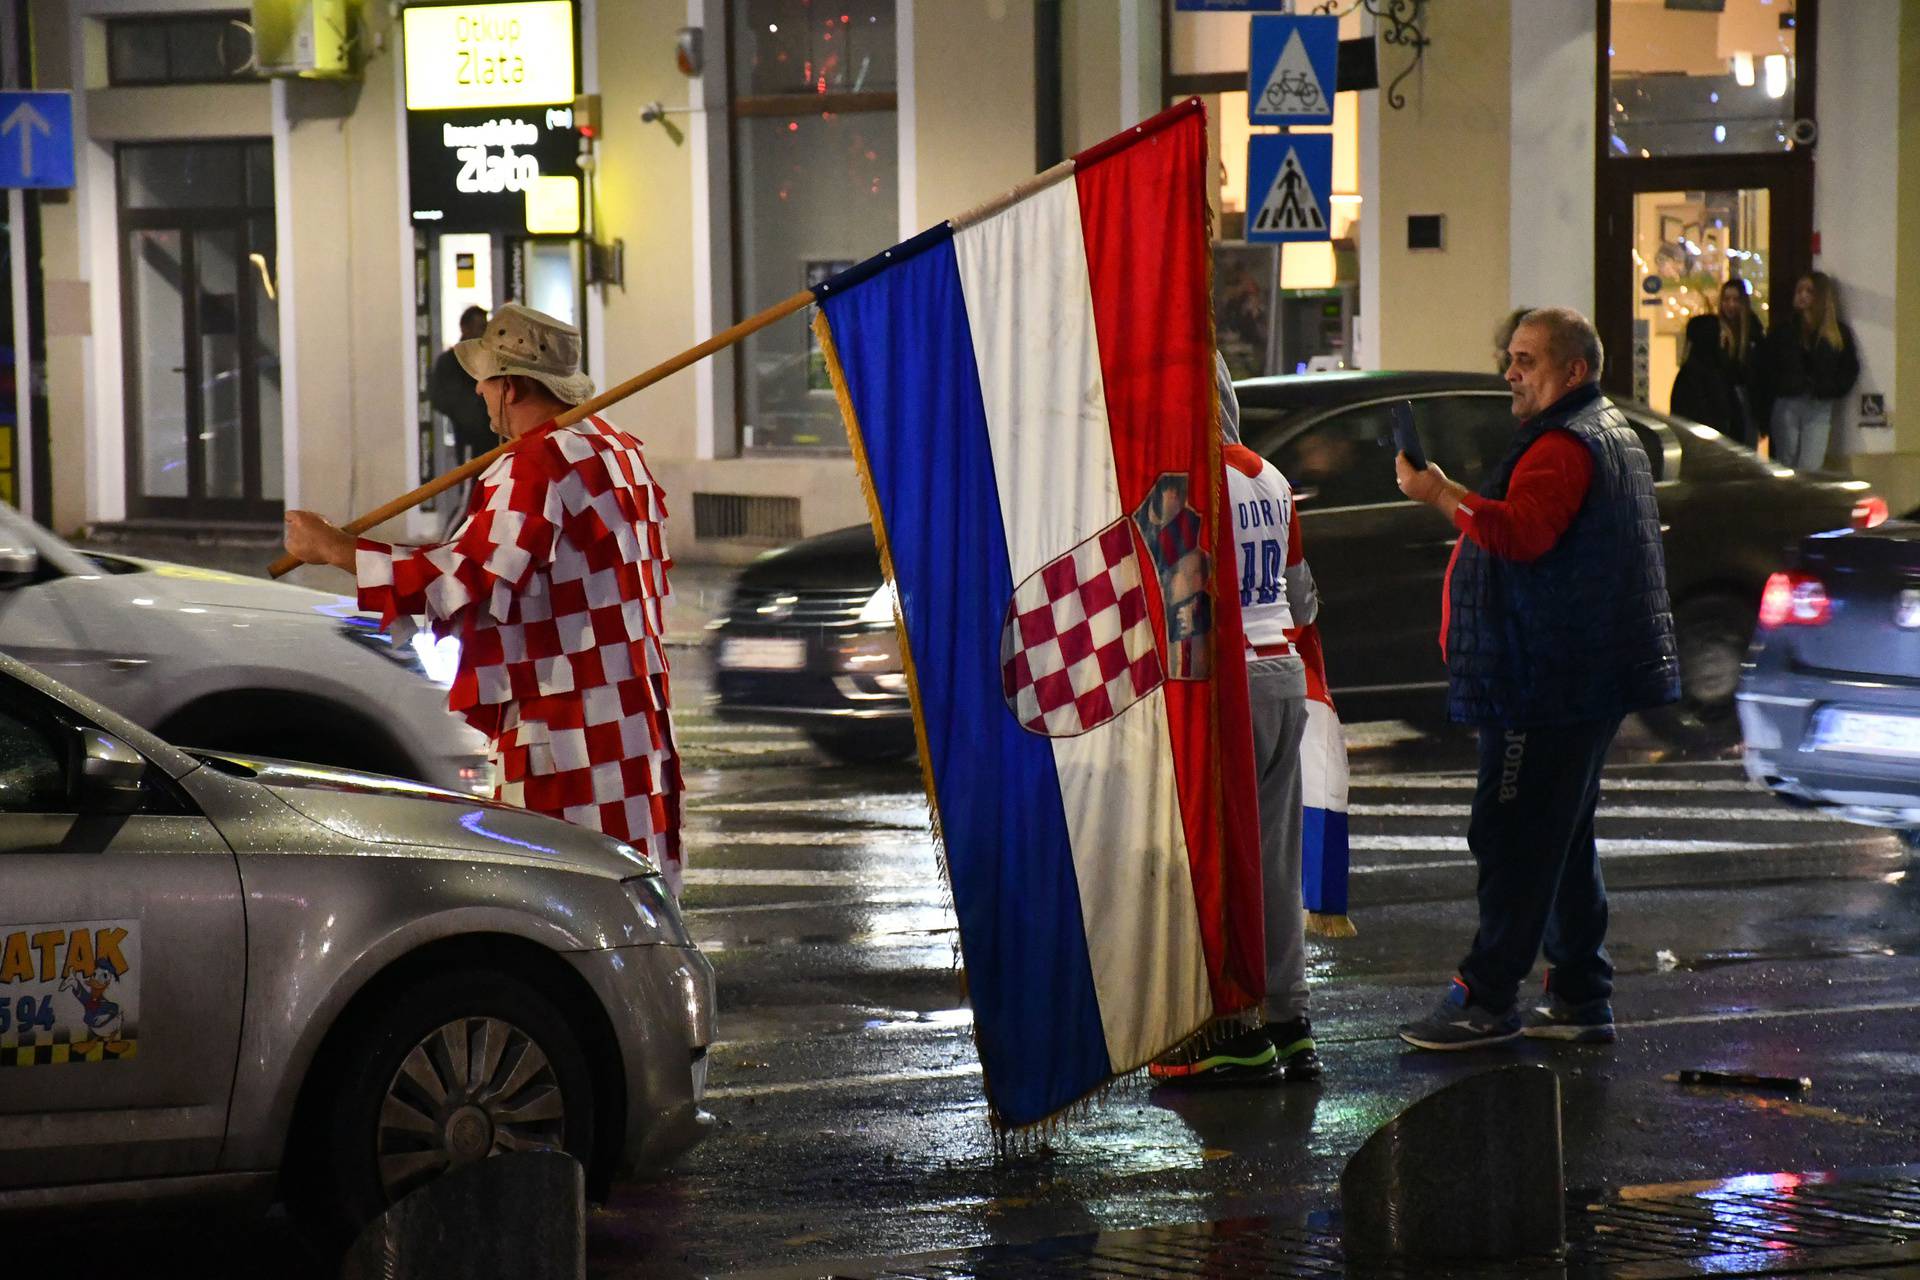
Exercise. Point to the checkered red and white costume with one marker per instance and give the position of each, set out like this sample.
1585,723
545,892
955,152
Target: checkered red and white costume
555,585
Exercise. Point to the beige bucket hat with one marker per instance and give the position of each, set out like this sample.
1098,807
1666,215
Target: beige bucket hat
519,341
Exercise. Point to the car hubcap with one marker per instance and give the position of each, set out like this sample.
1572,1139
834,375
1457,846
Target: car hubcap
472,1088
1711,666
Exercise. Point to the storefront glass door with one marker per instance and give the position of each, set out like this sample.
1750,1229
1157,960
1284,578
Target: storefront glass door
201,331
1687,246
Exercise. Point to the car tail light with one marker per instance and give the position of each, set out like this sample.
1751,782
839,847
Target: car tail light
1869,511
1794,600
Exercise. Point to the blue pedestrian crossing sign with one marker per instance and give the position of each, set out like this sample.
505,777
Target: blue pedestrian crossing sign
1292,70
36,140
1289,187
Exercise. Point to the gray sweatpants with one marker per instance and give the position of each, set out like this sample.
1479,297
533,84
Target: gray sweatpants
1278,692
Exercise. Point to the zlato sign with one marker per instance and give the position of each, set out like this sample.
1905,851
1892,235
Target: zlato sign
471,170
490,91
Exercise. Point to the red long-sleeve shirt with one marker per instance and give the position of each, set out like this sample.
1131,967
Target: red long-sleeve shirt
1543,496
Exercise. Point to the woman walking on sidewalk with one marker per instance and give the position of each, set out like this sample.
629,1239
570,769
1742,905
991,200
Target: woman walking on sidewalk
1810,362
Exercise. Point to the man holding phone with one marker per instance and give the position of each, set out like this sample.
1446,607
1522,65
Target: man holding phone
1555,624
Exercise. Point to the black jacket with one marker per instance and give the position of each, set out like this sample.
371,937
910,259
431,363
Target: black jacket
1792,368
1707,387
450,391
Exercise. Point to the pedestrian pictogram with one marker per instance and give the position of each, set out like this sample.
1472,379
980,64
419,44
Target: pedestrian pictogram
36,140
1289,184
1292,70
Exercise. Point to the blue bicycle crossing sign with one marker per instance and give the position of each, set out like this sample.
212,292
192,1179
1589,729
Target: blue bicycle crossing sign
1292,70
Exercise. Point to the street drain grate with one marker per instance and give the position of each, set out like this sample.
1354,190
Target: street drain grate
1763,1225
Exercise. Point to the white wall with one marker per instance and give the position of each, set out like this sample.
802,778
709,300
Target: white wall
1550,245
1856,193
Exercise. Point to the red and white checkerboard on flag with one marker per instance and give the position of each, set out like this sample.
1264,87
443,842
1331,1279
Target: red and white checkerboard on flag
1077,648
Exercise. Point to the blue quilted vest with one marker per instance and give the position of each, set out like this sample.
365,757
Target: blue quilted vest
1586,631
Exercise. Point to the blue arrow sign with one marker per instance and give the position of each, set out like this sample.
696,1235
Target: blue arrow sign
36,140
1289,187
1292,70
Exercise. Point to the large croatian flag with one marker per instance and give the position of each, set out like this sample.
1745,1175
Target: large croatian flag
1030,393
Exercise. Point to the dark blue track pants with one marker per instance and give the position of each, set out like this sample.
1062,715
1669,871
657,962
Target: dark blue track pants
1532,838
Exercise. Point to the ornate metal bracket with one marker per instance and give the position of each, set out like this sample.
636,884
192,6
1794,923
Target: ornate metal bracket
1399,22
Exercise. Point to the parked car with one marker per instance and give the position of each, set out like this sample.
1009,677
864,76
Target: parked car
231,973
1830,697
239,664
806,638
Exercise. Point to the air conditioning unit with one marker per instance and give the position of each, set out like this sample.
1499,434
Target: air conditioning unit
311,38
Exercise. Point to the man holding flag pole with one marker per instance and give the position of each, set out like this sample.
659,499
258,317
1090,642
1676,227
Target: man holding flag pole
555,585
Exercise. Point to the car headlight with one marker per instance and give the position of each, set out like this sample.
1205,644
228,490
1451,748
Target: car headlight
654,904
878,610
871,654
428,658
439,656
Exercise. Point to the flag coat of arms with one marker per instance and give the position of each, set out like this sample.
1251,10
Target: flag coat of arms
1030,393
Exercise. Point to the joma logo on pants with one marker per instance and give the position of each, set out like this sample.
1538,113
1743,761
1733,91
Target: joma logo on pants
1510,760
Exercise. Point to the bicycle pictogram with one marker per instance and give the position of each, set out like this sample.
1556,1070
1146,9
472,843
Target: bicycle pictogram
1293,91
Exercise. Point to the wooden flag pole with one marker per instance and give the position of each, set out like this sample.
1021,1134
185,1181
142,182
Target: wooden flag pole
613,395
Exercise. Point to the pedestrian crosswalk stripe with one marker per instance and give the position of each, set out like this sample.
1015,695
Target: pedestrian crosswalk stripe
1687,813
1611,850
742,747
809,904
824,877
867,806
1609,783
1625,846
696,836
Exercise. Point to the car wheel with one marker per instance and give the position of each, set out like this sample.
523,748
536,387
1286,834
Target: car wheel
1712,636
870,744
458,1068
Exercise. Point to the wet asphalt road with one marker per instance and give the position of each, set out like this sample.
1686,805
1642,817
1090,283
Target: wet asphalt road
848,1096
1746,934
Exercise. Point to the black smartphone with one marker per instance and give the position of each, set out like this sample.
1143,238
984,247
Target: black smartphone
1405,437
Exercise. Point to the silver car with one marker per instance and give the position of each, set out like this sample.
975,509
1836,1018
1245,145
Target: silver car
226,975
237,664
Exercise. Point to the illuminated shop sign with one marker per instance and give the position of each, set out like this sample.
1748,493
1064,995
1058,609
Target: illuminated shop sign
484,171
491,140
464,57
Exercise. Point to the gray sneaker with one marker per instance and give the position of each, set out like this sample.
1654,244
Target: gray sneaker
1557,1019
1458,1023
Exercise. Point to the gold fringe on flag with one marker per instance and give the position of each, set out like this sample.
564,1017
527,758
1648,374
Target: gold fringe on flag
1327,926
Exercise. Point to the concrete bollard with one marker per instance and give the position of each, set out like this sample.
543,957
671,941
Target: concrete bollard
1472,1171
522,1215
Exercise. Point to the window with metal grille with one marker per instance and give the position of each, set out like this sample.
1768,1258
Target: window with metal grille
744,515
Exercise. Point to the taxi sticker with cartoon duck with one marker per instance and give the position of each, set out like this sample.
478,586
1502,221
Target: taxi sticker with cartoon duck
69,992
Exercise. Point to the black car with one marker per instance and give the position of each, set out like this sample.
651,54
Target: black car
1830,699
807,640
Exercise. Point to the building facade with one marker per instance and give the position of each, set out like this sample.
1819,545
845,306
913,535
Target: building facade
241,299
